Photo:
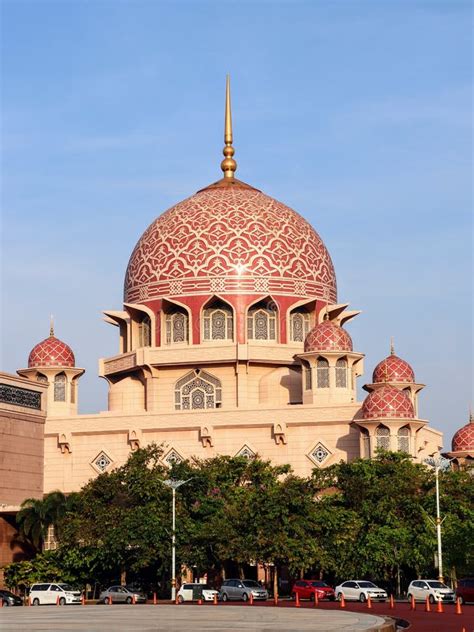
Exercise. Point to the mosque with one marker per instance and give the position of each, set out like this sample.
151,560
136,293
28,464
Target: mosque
231,340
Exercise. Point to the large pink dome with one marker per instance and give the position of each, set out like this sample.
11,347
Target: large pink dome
387,402
327,336
393,369
233,239
51,352
463,440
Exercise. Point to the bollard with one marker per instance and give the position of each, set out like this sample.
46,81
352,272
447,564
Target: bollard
297,600
154,598
316,599
343,601
392,603
412,603
369,602
251,599
215,600
439,607
458,606
427,605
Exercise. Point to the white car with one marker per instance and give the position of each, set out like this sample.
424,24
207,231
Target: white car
435,590
62,594
359,590
193,592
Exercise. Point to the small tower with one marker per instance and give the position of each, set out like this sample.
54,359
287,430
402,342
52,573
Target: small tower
52,362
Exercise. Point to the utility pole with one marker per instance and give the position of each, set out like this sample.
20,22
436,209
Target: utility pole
439,463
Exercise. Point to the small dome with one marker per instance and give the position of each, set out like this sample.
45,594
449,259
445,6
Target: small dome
463,440
51,352
327,336
387,402
393,369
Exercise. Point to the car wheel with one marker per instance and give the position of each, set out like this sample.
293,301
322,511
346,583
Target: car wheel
62,601
362,598
293,596
431,599
245,597
36,602
128,600
107,601
6,604
339,596
311,597
180,598
461,600
224,597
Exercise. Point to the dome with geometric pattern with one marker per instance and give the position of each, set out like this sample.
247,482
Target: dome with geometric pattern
51,352
233,239
327,336
387,402
393,369
463,440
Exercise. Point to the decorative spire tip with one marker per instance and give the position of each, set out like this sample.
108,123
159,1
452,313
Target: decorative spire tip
51,325
228,165
392,347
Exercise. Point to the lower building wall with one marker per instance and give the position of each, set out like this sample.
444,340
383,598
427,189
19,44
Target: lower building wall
11,549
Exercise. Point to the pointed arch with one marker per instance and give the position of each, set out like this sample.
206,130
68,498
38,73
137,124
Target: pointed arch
198,390
60,387
322,372
341,373
382,437
262,320
176,321
217,320
403,439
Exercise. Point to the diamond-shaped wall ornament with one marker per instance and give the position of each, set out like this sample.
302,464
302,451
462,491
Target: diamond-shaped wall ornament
172,457
101,462
319,454
246,452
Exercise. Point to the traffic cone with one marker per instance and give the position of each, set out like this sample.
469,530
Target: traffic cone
28,601
134,600
215,600
297,600
154,598
110,600
199,602
392,603
57,600
412,603
83,600
369,602
176,600
275,599
343,601
427,605
316,599
458,606
1,603
439,607
251,599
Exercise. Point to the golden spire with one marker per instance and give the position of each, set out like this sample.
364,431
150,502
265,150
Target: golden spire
228,165
51,325
392,347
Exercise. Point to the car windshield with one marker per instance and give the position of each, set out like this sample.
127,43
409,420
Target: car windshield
366,585
319,584
435,584
249,583
65,587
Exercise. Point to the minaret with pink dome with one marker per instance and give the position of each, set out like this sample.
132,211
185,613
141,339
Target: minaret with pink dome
462,445
52,362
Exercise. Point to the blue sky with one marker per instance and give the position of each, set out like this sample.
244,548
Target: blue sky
356,114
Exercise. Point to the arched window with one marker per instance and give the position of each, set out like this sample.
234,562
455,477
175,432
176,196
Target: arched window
365,443
218,322
341,373
41,378
403,437
198,390
177,328
144,332
382,438
322,370
261,323
60,388
299,325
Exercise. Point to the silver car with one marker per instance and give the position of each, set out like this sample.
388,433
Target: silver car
121,594
241,589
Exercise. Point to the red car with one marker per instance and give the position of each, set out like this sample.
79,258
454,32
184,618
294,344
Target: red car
307,588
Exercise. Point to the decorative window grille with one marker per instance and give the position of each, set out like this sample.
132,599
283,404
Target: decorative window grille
173,458
60,388
176,328
341,373
319,454
41,378
382,438
404,440
322,370
261,324
73,392
365,443
308,378
218,324
144,332
246,452
20,396
198,390
102,462
299,326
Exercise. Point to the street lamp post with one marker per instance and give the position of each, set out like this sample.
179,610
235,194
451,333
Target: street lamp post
439,463
174,484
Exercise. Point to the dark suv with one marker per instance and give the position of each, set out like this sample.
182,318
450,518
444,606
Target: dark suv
465,589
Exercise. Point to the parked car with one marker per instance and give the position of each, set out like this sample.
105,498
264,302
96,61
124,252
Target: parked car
360,589
435,590
465,590
307,588
9,599
42,594
121,594
193,592
241,589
